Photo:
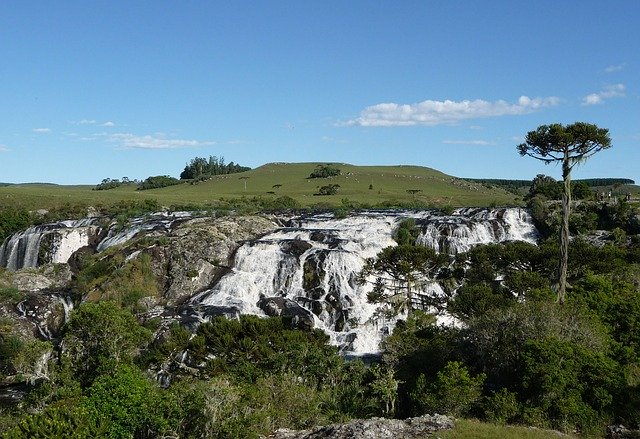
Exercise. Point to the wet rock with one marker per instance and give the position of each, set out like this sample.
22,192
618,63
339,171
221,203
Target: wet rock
301,318
46,312
200,250
295,247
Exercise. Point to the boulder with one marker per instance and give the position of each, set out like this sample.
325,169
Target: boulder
301,318
374,428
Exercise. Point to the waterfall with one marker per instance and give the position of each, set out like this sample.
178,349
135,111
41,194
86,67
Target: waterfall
157,221
56,242
465,228
25,249
314,263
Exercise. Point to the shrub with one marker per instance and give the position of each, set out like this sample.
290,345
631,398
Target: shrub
454,391
324,171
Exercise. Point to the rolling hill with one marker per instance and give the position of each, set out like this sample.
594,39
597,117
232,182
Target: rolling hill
363,185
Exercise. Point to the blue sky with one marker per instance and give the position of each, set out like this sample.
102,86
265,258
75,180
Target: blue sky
97,89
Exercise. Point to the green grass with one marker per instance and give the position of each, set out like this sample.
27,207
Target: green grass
469,429
389,187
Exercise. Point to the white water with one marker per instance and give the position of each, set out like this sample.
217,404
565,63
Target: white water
22,249
339,247
274,265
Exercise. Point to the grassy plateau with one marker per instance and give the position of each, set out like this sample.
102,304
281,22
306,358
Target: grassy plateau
375,186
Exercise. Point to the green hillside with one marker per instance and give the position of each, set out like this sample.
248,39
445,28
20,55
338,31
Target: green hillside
364,185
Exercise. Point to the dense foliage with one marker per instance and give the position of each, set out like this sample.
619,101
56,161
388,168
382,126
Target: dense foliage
324,171
200,168
13,219
112,183
158,181
329,189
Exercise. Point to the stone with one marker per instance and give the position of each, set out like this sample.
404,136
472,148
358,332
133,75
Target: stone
374,428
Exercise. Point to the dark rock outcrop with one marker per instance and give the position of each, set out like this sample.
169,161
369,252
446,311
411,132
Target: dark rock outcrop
301,318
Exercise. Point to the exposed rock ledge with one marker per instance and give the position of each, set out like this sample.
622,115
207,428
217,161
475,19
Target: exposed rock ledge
374,428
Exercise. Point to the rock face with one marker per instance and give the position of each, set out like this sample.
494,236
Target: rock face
375,428
201,250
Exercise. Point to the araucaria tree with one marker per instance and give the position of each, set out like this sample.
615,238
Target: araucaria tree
401,272
569,145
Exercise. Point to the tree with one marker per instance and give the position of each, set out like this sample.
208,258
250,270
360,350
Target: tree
401,271
570,145
245,178
100,336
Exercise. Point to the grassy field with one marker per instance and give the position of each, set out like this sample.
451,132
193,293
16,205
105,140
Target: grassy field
368,185
469,429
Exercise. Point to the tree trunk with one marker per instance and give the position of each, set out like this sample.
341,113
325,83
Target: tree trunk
409,299
564,229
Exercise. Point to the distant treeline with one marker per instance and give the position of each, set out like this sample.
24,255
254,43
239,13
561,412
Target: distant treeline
112,183
200,168
591,182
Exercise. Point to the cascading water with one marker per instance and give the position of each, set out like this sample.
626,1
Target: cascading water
24,249
157,221
314,263
307,269
56,242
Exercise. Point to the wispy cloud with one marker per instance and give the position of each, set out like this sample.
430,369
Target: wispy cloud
432,113
156,141
94,122
608,92
615,68
468,142
42,130
3,148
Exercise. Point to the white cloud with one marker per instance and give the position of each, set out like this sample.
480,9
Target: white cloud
42,130
94,122
432,113
157,141
614,68
467,142
608,92
4,148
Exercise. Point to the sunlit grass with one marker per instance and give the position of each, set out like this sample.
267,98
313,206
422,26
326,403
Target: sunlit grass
364,185
470,429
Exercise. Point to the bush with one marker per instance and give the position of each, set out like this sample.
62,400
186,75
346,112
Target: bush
324,171
454,391
501,407
158,181
330,189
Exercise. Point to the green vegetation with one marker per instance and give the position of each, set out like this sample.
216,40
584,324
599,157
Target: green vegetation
324,171
13,219
569,145
330,189
473,429
109,183
227,192
200,168
157,182
515,357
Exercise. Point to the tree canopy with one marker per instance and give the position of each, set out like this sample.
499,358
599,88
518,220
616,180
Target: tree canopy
569,145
